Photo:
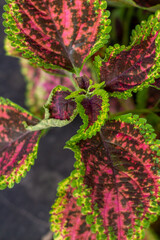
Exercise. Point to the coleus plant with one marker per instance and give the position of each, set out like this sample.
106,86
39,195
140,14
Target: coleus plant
114,190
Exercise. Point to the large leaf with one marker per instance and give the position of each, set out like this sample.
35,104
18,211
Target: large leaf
59,111
18,147
116,183
55,33
132,68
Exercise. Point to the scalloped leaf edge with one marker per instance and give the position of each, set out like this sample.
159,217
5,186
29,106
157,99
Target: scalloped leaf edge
21,173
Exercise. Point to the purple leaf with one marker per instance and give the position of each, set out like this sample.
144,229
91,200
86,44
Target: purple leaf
58,110
55,33
132,68
57,106
93,108
18,147
83,82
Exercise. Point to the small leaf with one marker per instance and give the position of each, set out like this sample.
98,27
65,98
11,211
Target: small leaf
40,84
131,69
93,108
18,147
57,34
58,110
83,82
117,171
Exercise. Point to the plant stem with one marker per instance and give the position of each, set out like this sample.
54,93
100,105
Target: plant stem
70,75
126,25
138,111
157,103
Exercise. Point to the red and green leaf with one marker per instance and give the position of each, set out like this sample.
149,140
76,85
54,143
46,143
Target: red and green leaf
57,34
93,108
129,69
94,111
70,221
59,111
116,183
18,147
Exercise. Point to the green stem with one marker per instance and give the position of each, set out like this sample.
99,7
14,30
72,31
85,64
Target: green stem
156,105
138,111
127,104
126,25
72,81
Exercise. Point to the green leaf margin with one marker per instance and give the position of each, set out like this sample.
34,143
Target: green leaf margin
141,31
81,191
52,122
15,176
18,40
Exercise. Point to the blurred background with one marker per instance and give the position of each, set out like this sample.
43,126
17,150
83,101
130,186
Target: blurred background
24,210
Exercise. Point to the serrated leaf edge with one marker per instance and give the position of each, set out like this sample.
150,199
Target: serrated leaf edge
146,28
16,176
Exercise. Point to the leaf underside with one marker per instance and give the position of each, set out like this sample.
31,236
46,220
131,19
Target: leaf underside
135,67
58,110
115,184
55,34
18,147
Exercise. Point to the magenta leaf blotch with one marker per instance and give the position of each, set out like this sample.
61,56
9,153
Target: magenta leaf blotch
116,182
18,146
71,222
57,34
132,68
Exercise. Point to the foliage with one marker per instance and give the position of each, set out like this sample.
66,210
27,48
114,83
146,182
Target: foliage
113,192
